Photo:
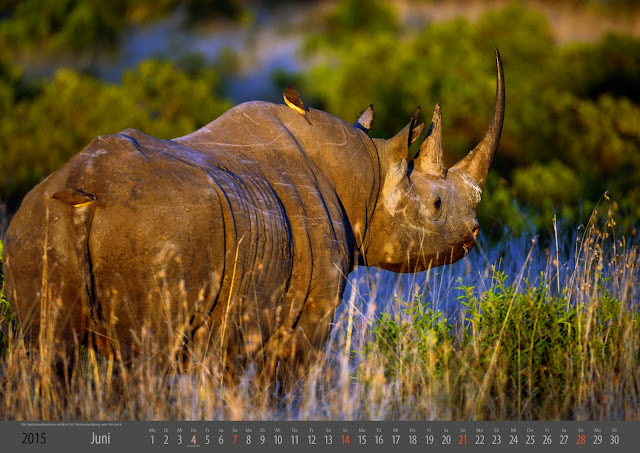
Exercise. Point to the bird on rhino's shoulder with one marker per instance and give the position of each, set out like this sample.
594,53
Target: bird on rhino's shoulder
293,100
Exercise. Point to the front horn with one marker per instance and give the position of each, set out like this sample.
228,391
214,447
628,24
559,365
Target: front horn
475,165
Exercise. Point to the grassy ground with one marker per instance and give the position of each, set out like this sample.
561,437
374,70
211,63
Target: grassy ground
526,329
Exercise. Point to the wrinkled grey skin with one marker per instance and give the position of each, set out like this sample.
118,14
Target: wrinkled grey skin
240,234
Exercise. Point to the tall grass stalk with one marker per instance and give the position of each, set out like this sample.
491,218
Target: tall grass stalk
526,330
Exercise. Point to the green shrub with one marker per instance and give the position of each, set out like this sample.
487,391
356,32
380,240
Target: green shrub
571,132
83,25
8,321
40,132
528,353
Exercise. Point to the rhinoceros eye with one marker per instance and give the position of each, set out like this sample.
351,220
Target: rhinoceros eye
433,209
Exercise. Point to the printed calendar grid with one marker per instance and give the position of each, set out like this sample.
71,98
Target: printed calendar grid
345,436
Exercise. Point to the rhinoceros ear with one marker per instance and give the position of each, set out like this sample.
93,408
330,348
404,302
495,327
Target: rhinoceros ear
399,143
416,132
430,158
365,120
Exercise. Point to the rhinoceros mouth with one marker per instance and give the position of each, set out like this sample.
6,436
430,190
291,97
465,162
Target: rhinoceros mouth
468,245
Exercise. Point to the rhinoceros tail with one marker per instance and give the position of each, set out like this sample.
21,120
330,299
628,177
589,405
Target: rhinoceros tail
48,263
81,221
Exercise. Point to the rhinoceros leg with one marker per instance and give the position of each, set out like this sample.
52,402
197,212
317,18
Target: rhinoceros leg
300,344
49,282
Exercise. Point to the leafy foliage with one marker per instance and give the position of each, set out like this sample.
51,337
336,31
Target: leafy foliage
82,25
8,322
43,130
572,127
530,351
2,296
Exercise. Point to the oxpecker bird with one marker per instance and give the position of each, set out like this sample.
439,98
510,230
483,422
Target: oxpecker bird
293,100
75,197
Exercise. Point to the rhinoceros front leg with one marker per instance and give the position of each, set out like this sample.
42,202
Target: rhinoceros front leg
304,346
301,343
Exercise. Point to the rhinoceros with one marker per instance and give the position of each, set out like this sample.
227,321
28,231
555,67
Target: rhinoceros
240,234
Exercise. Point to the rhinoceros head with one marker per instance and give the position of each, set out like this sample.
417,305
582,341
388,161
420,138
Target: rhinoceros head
425,215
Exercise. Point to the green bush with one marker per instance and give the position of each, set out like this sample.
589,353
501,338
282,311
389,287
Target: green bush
532,353
8,322
41,132
82,25
66,24
611,66
544,187
571,132
2,297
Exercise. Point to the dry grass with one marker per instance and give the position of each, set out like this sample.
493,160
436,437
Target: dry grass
517,331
